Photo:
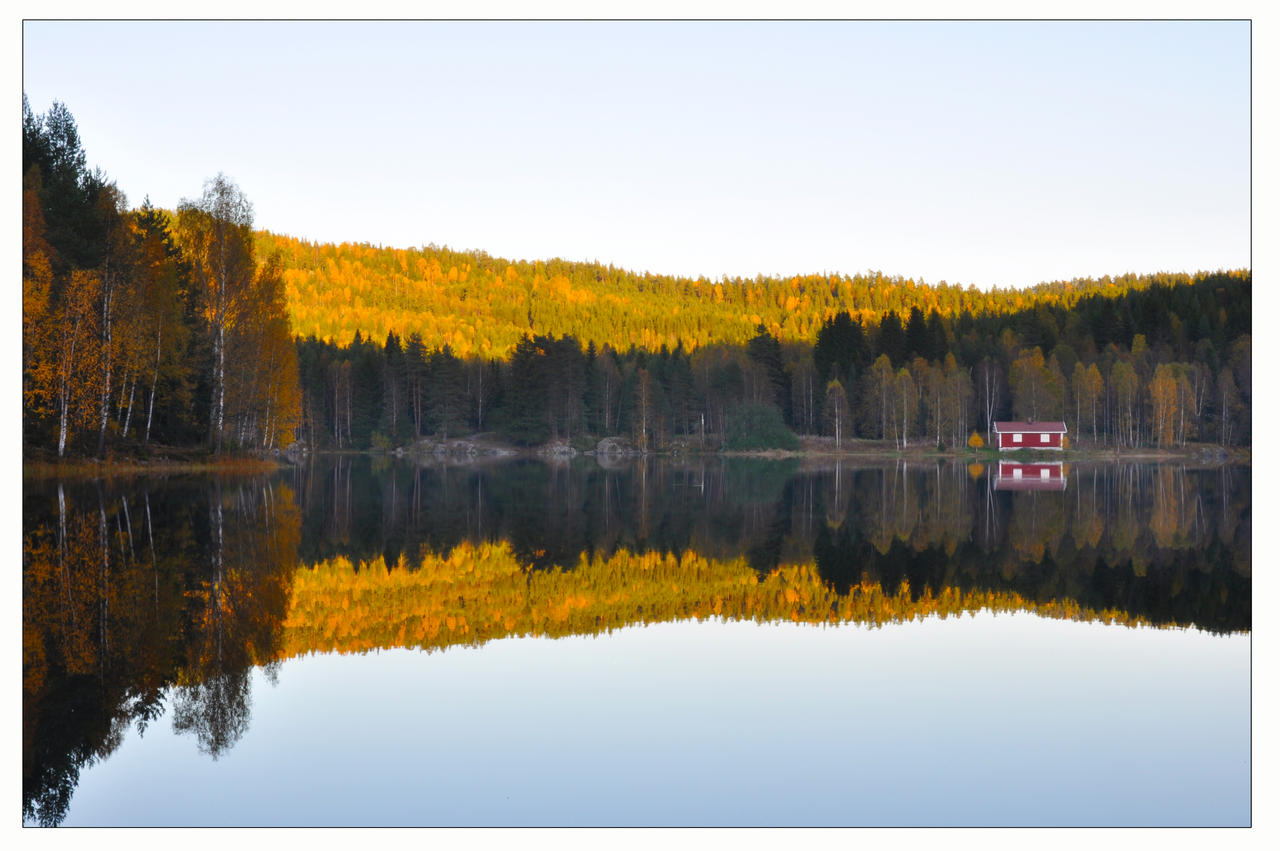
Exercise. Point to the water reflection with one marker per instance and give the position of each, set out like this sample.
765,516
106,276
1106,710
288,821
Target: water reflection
132,595
144,593
1166,544
1043,476
771,511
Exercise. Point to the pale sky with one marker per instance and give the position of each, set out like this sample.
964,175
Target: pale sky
998,153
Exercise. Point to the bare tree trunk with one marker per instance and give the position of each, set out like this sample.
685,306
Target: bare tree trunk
62,420
107,298
220,348
123,400
68,342
904,418
884,411
133,385
988,386
1093,414
937,414
155,379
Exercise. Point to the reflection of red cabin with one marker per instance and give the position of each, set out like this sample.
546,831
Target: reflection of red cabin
1045,476
1030,435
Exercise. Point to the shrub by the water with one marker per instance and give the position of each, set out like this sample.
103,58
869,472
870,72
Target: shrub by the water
752,427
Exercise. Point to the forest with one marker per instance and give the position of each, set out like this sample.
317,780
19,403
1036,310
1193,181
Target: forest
481,305
1166,364
146,327
142,325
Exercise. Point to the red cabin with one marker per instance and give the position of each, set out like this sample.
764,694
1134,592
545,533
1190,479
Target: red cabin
1045,476
1030,435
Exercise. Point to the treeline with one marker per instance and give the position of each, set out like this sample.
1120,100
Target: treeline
144,326
139,326
1161,365
482,306
371,394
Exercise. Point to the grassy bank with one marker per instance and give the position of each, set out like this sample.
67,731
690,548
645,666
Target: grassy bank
822,447
161,461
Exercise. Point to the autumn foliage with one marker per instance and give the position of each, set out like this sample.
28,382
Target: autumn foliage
481,305
478,593
190,328
142,326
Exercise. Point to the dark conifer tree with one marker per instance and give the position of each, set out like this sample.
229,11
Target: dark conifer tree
447,393
936,335
415,382
395,419
524,415
891,340
765,351
917,336
841,344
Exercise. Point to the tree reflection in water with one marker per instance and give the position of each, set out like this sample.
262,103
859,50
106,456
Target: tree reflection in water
138,593
143,594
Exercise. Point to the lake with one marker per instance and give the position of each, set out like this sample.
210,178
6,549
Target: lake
364,641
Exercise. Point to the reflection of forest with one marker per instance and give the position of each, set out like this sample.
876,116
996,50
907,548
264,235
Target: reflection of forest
1162,543
141,594
478,593
133,597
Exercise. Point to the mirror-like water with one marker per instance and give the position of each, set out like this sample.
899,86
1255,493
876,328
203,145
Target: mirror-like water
725,642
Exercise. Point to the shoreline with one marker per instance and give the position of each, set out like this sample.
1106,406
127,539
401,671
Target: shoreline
1199,453
466,451
35,469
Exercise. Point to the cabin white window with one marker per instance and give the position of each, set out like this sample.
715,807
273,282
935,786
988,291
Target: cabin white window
1017,472
1044,474
1044,438
1017,437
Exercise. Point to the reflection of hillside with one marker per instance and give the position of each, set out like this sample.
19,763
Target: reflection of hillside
475,594
1141,544
1186,588
140,595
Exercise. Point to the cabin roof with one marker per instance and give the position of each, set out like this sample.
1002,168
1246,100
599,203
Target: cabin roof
1033,427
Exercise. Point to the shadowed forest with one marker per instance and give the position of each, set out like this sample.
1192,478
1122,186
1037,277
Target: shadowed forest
146,597
147,329
1121,372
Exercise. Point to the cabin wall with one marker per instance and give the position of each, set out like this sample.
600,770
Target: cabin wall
1030,440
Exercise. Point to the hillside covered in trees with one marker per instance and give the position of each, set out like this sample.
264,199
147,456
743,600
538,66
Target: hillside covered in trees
1165,364
188,328
482,305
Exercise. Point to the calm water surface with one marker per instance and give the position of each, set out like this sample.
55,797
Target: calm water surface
721,642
